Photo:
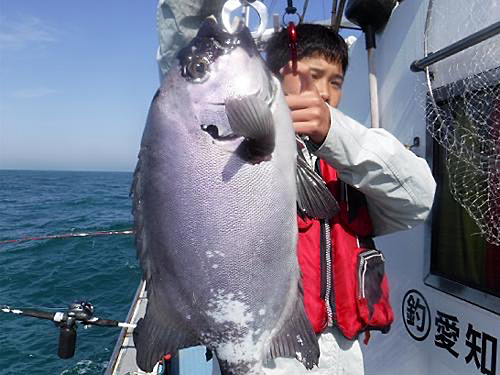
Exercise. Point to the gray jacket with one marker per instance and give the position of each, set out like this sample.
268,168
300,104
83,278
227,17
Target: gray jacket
398,184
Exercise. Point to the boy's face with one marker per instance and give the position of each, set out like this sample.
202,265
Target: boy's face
327,76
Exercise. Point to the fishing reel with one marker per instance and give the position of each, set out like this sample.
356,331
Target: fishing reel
80,311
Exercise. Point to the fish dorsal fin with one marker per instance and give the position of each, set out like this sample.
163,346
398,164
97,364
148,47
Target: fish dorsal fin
251,117
296,337
313,197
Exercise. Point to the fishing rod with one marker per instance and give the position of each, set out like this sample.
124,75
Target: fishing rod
78,313
69,235
337,15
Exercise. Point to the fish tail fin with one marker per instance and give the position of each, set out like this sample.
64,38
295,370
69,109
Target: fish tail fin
152,341
296,337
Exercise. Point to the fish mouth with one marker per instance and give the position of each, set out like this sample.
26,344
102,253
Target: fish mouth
210,43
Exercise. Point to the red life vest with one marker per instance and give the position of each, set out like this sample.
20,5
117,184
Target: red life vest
329,259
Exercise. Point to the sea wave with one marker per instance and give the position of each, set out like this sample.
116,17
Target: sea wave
51,273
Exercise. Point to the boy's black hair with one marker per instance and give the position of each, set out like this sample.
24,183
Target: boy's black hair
312,40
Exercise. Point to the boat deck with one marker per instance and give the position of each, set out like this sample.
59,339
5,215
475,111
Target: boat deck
123,359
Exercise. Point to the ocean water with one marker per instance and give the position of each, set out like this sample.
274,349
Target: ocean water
50,274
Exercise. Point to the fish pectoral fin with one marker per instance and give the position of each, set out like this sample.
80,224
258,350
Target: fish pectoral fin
296,337
251,117
313,197
152,341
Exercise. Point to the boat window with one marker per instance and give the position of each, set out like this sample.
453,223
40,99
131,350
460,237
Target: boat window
464,261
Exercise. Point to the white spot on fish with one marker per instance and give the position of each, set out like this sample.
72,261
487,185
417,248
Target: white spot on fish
226,308
188,317
215,266
210,254
262,312
241,344
298,355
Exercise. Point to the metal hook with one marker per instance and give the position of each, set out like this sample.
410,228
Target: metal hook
231,5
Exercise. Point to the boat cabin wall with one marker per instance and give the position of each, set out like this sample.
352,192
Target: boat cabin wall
434,332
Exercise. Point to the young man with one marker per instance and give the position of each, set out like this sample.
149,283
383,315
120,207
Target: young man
397,187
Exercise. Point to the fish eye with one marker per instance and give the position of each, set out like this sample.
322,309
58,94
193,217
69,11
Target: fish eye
197,68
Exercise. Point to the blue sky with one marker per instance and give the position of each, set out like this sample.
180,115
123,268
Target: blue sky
77,78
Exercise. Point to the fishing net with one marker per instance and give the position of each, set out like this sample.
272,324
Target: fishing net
463,107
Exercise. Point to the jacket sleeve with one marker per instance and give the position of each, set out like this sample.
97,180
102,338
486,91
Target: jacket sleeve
398,184
177,23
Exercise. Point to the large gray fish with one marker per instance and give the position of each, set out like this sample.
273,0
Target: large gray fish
214,205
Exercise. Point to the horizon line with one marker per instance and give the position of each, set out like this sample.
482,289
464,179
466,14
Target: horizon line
62,170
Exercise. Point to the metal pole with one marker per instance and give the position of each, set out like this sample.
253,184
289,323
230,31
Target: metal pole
372,80
340,13
304,10
471,40
334,13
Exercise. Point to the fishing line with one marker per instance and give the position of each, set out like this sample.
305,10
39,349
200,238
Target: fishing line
69,235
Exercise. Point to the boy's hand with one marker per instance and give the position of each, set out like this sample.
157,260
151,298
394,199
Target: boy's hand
310,114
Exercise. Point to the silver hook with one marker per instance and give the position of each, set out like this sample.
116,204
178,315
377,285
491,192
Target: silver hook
231,5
